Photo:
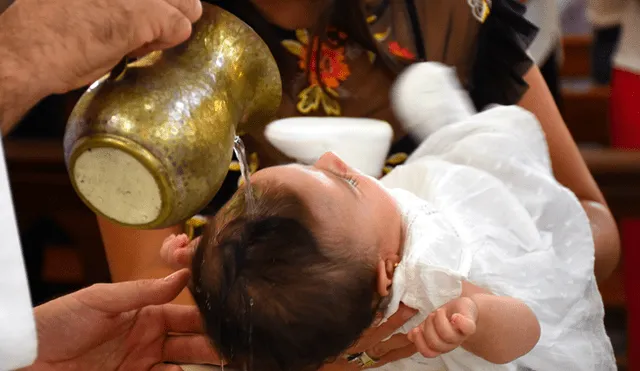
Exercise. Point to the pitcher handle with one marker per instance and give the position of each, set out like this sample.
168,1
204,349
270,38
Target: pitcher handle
118,71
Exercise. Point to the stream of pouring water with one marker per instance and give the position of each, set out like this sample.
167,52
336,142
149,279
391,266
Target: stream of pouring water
241,154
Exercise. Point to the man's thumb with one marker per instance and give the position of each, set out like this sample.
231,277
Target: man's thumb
132,295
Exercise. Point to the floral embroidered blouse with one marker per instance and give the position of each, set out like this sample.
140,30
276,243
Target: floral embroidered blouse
485,40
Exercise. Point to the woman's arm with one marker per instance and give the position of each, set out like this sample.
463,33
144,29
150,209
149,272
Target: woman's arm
571,170
135,254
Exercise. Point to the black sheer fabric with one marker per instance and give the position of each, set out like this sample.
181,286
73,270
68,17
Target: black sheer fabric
502,59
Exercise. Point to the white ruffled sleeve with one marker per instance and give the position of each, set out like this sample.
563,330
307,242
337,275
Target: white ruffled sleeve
434,262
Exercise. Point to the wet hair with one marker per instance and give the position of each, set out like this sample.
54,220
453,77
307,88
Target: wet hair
272,297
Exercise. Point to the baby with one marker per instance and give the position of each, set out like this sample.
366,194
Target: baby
473,232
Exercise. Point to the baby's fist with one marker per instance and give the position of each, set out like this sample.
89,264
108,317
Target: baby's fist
178,251
446,329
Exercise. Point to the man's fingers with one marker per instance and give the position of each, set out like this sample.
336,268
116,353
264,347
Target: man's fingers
189,349
396,354
182,319
417,337
376,335
431,336
132,295
175,30
166,368
445,329
395,342
192,9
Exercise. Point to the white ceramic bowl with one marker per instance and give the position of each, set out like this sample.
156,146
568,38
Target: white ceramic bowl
361,143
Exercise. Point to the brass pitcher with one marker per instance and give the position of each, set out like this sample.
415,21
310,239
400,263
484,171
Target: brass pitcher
149,145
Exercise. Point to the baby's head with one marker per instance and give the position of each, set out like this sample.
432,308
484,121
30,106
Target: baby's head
295,281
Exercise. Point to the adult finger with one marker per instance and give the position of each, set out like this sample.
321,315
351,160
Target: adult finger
168,25
445,329
417,337
182,319
374,336
395,342
192,9
194,349
164,367
396,354
431,336
126,296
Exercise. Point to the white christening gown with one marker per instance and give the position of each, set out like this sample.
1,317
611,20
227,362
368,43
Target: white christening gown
480,203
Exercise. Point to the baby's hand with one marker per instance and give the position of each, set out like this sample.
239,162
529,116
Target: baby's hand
446,329
178,251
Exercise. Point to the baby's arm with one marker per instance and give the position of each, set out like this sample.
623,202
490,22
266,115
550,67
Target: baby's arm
506,328
498,329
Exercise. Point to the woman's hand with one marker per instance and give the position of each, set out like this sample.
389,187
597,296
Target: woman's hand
375,343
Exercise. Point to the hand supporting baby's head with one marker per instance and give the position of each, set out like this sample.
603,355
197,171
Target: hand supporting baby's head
272,294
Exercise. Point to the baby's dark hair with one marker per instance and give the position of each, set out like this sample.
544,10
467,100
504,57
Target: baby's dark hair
272,298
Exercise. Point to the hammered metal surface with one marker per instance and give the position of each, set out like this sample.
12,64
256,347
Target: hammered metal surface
182,107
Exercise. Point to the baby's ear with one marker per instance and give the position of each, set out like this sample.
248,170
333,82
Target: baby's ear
385,270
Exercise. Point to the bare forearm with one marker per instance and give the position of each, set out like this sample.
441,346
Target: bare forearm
506,328
605,237
18,92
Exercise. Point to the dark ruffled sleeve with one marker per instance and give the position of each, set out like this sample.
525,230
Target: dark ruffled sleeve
502,61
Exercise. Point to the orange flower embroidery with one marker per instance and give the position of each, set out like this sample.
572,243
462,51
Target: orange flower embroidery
394,47
399,51
332,67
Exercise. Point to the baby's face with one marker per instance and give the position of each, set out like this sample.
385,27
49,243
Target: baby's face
344,201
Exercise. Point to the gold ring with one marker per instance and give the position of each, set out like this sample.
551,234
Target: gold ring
363,360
